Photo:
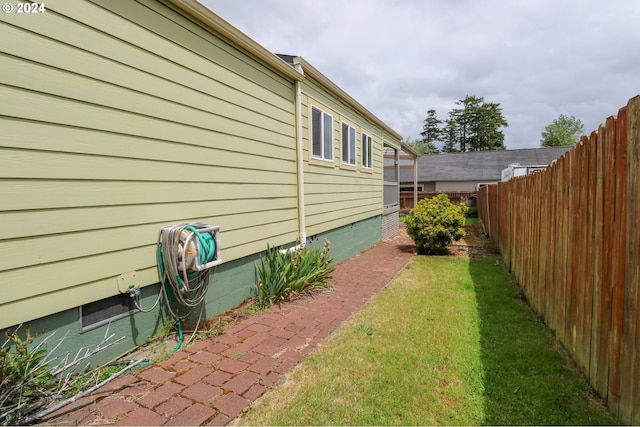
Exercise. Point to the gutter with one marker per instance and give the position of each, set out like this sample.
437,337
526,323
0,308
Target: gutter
300,157
300,163
312,72
211,20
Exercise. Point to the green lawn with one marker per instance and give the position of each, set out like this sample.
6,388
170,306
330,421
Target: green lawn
449,342
471,220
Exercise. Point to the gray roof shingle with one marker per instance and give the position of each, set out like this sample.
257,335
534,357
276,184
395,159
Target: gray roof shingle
478,165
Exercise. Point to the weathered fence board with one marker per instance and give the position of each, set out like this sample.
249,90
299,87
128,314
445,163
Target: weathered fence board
618,261
599,363
630,343
571,237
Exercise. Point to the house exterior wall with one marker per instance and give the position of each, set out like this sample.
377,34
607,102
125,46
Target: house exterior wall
337,195
350,239
428,186
121,118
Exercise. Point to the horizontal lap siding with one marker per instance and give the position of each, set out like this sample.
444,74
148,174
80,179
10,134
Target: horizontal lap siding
119,119
336,196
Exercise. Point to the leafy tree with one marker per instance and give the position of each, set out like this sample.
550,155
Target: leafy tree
562,131
423,147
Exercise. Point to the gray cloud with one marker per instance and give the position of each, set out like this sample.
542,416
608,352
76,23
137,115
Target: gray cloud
399,59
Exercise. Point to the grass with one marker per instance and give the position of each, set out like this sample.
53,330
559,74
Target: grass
470,220
463,350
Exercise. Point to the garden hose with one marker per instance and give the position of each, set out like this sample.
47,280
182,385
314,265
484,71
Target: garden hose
179,283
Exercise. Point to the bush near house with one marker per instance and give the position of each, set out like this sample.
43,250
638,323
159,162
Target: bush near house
24,376
436,222
284,274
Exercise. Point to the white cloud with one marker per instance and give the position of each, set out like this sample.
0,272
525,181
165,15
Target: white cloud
401,58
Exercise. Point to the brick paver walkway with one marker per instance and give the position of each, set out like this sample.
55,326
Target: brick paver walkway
213,381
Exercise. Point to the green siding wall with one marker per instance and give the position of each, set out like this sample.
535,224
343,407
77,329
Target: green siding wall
232,283
338,195
119,118
351,239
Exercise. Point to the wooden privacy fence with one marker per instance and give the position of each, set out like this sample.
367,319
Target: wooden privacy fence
571,236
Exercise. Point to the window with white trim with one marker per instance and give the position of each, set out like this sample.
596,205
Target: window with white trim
367,146
321,134
348,144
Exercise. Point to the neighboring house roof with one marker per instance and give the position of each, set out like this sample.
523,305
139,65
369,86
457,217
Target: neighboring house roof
478,165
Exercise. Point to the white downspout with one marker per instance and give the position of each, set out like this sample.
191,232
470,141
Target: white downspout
300,159
300,164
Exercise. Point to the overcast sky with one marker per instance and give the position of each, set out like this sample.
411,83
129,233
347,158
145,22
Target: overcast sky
399,58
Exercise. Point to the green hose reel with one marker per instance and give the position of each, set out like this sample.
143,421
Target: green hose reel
198,247
186,253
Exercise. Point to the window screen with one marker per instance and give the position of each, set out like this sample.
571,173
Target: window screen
321,134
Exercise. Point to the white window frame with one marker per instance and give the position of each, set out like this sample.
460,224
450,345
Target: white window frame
349,145
367,151
325,154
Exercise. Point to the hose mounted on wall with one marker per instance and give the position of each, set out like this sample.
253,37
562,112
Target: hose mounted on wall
186,254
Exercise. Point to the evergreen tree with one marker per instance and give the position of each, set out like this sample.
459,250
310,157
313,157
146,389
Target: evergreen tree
476,126
431,131
487,133
450,137
466,122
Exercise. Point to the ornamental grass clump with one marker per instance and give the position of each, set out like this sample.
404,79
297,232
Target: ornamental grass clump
284,275
435,223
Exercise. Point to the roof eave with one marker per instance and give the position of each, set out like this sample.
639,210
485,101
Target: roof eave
210,19
311,71
409,150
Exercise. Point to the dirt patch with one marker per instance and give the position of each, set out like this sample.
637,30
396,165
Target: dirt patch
473,244
163,347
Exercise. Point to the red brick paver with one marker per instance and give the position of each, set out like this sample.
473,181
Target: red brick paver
213,381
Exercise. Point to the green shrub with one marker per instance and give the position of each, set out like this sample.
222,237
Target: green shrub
434,223
283,275
24,375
